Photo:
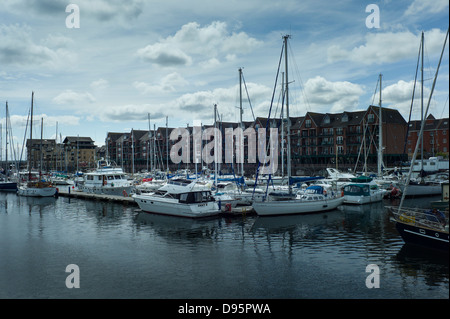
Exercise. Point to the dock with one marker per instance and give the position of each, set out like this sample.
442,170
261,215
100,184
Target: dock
128,200
73,193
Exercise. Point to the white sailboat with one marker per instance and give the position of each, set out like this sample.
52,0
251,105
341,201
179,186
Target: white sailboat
306,203
6,184
37,188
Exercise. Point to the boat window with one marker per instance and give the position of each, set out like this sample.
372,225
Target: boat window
110,177
183,197
117,176
90,177
197,197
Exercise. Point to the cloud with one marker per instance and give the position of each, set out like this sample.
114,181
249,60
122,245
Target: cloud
100,84
164,55
100,10
49,121
169,83
208,44
70,97
422,7
130,112
17,48
387,47
398,96
336,96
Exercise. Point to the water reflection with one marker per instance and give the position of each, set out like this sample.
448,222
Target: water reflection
316,255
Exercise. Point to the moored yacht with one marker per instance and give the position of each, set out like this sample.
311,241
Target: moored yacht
179,197
363,193
107,179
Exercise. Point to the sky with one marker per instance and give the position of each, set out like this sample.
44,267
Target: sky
176,59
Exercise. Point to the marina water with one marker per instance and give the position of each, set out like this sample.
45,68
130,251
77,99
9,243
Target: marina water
122,252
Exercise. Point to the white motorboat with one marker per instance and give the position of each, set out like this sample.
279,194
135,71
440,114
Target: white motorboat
363,193
107,179
180,197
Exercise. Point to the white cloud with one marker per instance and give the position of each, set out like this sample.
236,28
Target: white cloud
399,95
422,7
388,47
334,97
208,43
70,97
18,49
169,83
100,84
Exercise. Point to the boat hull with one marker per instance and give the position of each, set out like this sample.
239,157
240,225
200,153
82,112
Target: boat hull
8,187
157,205
107,190
361,200
423,236
290,207
422,190
36,191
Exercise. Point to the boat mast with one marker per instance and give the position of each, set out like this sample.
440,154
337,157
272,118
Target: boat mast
421,107
215,145
40,149
31,137
288,128
380,136
6,143
240,123
422,126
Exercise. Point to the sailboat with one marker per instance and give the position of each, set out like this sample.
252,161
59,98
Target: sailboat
6,184
427,227
314,200
37,188
420,187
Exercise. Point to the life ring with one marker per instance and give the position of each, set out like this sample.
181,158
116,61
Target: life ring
125,193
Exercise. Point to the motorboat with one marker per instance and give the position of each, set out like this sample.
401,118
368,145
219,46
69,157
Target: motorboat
107,179
363,193
179,197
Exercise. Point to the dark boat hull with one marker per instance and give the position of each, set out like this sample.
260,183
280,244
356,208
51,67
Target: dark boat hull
8,187
423,236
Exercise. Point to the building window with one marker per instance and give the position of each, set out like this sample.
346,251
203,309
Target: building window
371,118
308,123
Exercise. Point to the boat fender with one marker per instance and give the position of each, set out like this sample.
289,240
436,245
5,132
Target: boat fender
125,193
228,207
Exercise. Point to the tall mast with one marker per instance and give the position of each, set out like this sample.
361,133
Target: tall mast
148,146
421,105
6,143
215,145
167,144
31,137
380,136
40,149
288,126
240,122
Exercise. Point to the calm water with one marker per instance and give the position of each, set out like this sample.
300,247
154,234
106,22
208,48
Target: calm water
124,253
